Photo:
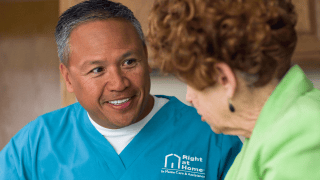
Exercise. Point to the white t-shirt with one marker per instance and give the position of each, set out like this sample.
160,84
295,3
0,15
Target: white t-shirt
120,138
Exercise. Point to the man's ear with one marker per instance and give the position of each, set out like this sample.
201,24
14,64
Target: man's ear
65,74
146,54
150,69
226,78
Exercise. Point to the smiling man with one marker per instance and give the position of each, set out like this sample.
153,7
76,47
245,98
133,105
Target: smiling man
109,73
117,130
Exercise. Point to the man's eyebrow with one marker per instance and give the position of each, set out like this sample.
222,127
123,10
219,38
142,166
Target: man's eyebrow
91,62
125,55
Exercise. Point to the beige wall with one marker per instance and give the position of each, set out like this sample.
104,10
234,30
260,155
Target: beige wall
29,75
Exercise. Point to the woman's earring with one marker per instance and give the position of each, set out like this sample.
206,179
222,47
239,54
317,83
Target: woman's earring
231,107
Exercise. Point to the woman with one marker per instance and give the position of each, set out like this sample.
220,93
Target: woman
235,56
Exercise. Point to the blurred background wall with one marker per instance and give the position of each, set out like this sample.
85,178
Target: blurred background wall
29,74
307,53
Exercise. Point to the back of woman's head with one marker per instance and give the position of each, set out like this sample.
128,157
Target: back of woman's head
256,37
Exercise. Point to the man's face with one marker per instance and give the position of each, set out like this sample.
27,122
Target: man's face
109,73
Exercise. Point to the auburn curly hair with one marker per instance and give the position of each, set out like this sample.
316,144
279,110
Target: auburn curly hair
256,37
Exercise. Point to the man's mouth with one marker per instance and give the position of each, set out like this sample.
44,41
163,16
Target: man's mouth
119,102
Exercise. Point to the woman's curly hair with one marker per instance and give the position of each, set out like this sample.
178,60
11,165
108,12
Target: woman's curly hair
256,37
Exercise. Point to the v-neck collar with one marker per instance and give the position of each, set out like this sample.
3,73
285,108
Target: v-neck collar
150,131
101,145
118,164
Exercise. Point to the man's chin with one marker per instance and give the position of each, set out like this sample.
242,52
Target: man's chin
119,125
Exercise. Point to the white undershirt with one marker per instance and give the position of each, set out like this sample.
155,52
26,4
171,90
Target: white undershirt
120,138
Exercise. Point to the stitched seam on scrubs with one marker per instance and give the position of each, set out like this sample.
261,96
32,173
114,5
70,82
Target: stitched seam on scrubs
29,151
209,154
13,159
220,171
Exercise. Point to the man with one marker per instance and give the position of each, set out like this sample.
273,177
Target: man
117,130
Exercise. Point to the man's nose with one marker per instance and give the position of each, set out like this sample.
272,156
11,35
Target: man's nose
117,80
189,94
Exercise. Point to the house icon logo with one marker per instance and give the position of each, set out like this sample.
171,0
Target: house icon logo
172,161
184,165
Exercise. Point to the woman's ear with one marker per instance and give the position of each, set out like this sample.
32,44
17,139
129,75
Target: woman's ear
226,78
65,74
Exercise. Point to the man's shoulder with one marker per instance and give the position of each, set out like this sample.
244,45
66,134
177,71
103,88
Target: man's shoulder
56,117
173,101
180,109
73,108
183,116
186,118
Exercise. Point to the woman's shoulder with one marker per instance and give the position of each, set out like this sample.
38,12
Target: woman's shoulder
297,127
306,110
294,139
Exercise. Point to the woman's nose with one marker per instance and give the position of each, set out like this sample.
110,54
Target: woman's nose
189,95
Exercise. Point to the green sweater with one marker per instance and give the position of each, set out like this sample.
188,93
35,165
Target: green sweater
285,142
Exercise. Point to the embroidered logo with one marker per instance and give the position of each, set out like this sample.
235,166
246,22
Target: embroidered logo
184,165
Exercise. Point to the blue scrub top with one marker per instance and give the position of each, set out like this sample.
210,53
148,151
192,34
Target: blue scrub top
175,144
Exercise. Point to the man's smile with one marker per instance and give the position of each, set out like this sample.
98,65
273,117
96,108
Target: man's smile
119,102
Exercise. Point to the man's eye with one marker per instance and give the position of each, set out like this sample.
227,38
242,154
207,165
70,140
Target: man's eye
129,62
97,70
